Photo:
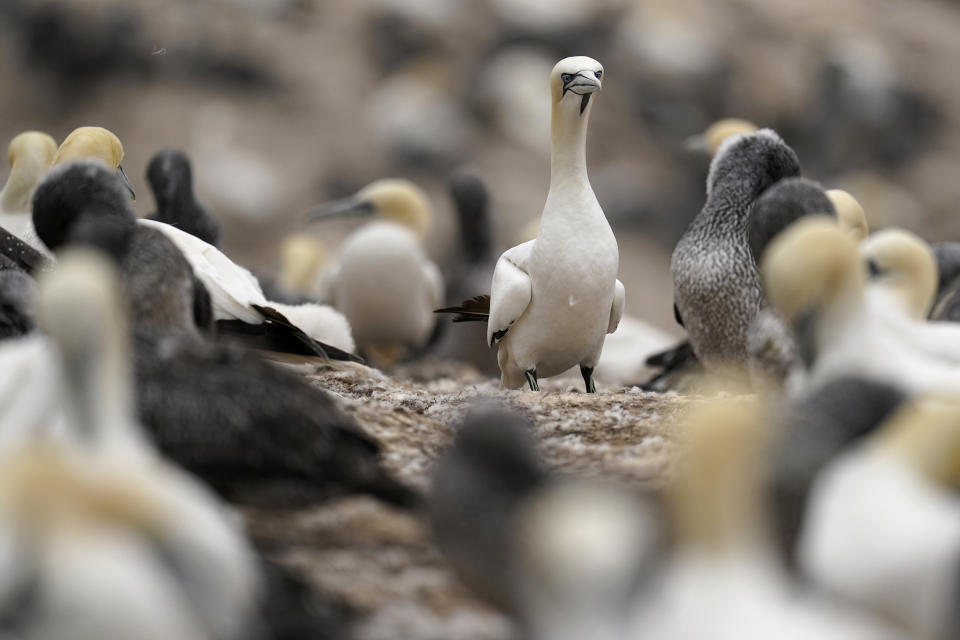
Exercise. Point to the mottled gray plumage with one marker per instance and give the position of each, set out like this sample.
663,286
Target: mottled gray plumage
947,305
780,206
716,281
171,181
816,428
477,486
17,297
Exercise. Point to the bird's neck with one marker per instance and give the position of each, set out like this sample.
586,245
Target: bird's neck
24,175
568,154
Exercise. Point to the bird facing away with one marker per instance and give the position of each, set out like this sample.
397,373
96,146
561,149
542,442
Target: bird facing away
883,520
104,539
849,214
384,283
716,284
171,181
30,155
553,299
97,143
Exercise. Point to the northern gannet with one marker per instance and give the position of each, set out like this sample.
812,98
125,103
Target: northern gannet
883,520
722,578
815,278
103,537
553,299
171,181
30,155
384,282
77,187
716,284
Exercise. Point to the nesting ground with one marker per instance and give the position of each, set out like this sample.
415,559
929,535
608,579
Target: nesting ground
379,562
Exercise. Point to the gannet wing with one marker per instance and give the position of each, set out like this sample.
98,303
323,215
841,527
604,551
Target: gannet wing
233,289
616,311
510,291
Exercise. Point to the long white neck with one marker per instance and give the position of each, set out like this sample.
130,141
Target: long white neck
568,152
24,175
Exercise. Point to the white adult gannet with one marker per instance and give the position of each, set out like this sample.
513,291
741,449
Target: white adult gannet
30,155
109,540
553,299
815,278
384,283
882,526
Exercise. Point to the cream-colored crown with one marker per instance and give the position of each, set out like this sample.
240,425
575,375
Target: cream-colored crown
907,267
91,142
849,213
400,201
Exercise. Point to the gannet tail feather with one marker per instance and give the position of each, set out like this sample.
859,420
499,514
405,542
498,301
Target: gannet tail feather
278,334
476,309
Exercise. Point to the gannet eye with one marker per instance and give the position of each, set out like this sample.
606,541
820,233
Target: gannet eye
874,268
566,77
599,74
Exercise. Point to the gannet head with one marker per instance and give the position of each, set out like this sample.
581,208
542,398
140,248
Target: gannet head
573,81
711,139
393,199
925,433
33,147
714,496
168,173
94,143
904,265
849,213
74,191
809,269
782,204
749,163
81,308
302,257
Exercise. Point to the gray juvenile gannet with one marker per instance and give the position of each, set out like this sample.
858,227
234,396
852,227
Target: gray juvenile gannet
171,181
716,284
384,283
553,299
30,155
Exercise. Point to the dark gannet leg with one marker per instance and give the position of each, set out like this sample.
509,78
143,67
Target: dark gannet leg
587,373
531,375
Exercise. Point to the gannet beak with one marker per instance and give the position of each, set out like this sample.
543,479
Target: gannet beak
697,143
581,84
352,206
805,334
126,181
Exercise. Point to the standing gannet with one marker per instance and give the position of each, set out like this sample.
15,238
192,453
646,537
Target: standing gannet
553,299
384,283
716,284
171,181
883,520
815,278
30,155
102,537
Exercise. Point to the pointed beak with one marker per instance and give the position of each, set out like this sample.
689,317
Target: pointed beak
583,85
347,207
126,181
697,143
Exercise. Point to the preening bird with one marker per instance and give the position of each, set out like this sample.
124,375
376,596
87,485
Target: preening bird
171,181
553,299
384,282
30,155
102,538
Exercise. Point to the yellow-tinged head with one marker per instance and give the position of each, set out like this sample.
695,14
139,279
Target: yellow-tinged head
574,79
925,433
711,139
302,257
34,146
904,264
393,199
849,214
96,143
716,495
812,264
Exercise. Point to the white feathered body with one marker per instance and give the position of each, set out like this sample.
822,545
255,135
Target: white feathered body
386,286
571,268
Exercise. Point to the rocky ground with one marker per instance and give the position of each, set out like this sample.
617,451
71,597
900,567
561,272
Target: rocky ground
379,562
